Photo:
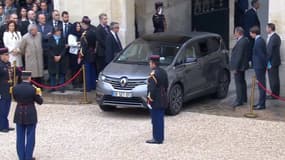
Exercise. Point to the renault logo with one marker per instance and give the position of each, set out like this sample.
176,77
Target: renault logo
124,82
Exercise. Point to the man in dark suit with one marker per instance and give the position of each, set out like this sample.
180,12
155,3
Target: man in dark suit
26,115
25,24
87,52
44,10
66,25
259,59
250,20
101,33
55,21
46,32
157,99
239,63
273,59
113,42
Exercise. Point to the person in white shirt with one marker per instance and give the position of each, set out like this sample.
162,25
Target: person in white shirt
74,46
12,39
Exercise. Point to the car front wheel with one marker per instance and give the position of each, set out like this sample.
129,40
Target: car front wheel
175,100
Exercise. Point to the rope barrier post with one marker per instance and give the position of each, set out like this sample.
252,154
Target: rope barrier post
85,99
251,114
14,73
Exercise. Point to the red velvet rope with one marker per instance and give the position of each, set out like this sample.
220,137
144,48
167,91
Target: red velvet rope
269,92
58,86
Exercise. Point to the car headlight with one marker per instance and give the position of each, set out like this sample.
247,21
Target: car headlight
102,77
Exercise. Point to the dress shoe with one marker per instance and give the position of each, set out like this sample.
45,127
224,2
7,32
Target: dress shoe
153,141
258,107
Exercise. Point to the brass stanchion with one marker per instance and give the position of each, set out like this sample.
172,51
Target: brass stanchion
14,73
85,99
251,114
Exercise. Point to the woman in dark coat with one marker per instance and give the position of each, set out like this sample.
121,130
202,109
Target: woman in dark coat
57,65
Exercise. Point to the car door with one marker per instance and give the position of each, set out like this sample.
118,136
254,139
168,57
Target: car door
209,56
190,70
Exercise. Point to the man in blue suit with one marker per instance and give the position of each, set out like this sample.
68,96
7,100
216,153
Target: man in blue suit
259,60
250,20
113,42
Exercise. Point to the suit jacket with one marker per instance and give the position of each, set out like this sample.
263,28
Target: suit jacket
88,45
273,50
101,35
239,58
24,26
4,78
59,24
157,88
240,9
259,57
113,47
26,95
46,34
250,19
46,13
57,50
69,28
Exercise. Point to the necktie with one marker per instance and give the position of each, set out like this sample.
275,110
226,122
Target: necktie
65,29
106,29
118,41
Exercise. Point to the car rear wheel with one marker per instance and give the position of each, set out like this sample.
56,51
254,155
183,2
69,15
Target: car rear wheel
223,86
106,108
175,100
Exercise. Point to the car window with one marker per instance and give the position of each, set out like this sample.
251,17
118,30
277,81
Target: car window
202,48
213,44
187,55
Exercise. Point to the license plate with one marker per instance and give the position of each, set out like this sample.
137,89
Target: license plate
122,94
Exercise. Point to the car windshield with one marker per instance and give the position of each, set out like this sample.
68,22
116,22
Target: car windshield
141,50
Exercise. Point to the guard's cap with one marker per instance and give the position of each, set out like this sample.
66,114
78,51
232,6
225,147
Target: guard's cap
26,73
3,51
154,58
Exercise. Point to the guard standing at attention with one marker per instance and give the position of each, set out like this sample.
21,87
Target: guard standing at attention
157,99
25,94
158,19
5,83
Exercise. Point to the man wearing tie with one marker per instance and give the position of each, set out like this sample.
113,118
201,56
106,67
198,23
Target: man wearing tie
56,22
273,59
66,26
25,24
113,42
259,60
101,33
239,63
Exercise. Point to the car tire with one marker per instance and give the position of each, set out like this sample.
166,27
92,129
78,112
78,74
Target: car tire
175,102
106,108
223,85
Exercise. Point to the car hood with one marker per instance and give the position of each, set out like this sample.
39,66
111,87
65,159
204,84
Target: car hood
131,71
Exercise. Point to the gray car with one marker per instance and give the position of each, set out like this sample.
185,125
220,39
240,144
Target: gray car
197,64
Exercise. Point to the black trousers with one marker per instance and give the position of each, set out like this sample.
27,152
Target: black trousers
260,76
274,80
241,87
100,63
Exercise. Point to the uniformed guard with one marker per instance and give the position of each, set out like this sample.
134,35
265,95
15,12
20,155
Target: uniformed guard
157,99
6,81
158,19
25,94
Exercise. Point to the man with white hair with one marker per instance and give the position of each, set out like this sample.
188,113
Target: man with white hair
31,48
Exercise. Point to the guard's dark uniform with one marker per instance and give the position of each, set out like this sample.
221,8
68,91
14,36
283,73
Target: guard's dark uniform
5,97
158,22
157,98
26,118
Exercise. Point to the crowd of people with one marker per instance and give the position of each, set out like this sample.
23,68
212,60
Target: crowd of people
251,47
40,38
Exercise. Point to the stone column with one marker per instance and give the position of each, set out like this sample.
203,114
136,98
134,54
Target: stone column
277,16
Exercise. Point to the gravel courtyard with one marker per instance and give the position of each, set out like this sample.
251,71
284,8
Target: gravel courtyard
85,133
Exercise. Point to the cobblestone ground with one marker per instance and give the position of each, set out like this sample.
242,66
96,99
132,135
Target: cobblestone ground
83,132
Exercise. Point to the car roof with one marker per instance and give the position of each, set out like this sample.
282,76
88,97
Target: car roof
177,38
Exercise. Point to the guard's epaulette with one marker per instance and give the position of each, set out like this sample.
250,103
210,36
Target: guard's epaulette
11,90
152,75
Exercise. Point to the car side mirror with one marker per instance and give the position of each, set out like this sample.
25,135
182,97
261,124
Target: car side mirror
191,60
